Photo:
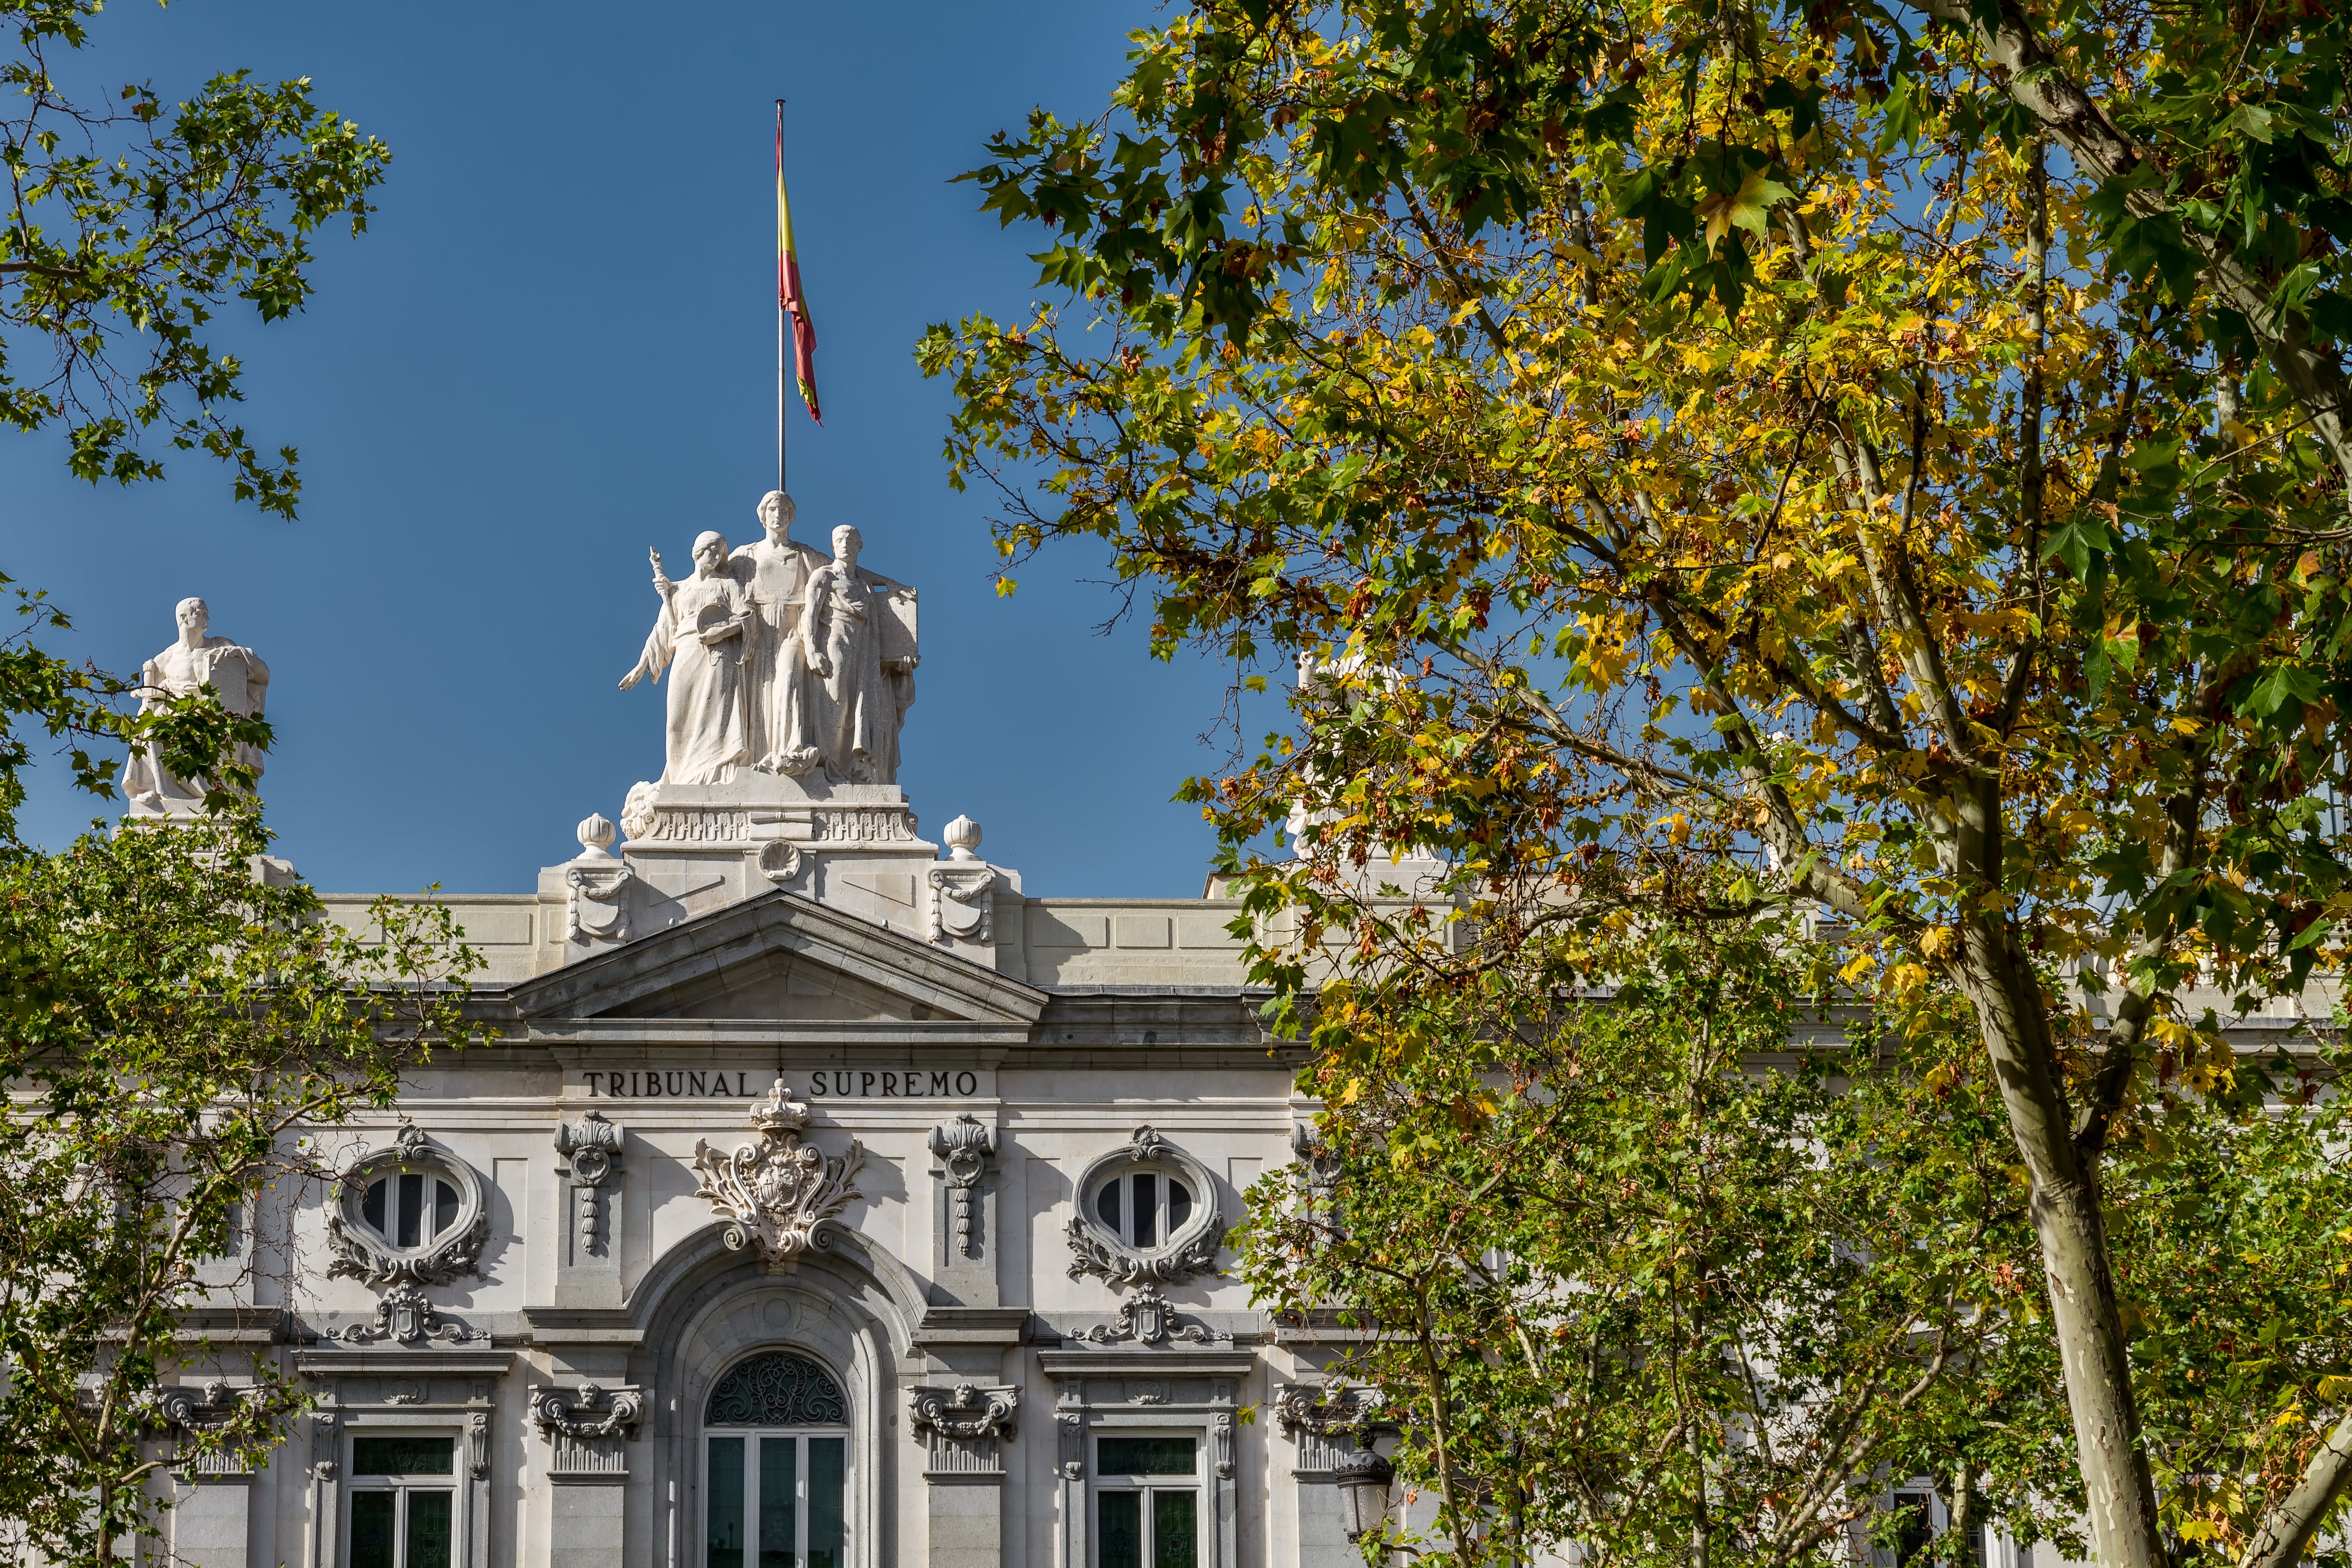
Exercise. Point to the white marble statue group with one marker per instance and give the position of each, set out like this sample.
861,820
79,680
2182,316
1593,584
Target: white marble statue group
781,660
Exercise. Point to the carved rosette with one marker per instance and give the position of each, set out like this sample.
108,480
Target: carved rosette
364,1255
963,1147
1147,1319
779,1194
593,1144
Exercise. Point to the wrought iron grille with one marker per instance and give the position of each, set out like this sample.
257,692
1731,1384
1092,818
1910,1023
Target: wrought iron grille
777,1388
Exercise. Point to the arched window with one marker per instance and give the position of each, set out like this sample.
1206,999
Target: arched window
776,1475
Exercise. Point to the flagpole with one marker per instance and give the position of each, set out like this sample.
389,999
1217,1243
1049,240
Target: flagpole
781,325
781,370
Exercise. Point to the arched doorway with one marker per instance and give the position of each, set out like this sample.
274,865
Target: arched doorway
776,1466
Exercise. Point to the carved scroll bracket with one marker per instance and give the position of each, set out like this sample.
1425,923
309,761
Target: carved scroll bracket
964,1147
560,1411
593,1145
965,1411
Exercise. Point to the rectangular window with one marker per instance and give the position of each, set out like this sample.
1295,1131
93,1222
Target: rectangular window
404,1511
1146,1502
787,1492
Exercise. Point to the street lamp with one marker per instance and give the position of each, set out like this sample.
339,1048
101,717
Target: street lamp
1363,1478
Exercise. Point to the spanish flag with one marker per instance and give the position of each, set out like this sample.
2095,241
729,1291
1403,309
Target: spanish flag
789,297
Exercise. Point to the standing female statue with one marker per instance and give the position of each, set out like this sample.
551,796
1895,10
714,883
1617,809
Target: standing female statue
861,690
702,626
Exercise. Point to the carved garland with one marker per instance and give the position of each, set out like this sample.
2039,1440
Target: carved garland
1191,1250
552,1410
779,1195
965,1411
363,1254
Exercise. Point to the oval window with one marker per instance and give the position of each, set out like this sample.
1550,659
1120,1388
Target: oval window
410,1208
1143,1208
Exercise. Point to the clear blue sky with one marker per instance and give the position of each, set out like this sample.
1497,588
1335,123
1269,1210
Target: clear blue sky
554,348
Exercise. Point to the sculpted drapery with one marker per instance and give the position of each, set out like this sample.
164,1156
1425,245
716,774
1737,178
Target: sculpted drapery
787,662
702,630
194,661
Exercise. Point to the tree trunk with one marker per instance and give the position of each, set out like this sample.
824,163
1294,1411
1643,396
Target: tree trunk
2064,1209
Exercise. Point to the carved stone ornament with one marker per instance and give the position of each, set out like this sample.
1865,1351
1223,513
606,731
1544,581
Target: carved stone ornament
405,1317
965,1411
591,1144
197,1413
1325,1410
778,1194
1191,1249
1318,1161
963,903
1147,1319
963,1147
366,1254
557,1410
781,860
596,905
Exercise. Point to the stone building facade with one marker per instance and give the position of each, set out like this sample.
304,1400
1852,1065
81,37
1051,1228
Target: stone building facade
825,1201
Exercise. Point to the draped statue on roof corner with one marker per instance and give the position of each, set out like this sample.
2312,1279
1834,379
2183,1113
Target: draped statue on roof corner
782,660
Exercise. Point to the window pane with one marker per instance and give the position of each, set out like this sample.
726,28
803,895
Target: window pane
412,1208
445,1206
428,1530
1175,1533
723,1530
371,1206
1179,1203
1145,1456
372,1530
828,1465
1106,1204
1119,1520
779,1500
402,1456
1147,1210
1913,1535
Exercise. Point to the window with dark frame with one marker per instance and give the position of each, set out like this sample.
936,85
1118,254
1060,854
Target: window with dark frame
1147,1501
410,1208
404,1502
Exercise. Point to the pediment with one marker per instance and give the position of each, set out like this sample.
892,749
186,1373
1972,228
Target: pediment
778,958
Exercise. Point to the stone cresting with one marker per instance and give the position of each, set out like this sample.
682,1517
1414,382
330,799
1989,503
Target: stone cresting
1147,1319
778,1195
405,1317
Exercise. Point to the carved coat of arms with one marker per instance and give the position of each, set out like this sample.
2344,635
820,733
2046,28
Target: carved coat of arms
778,1194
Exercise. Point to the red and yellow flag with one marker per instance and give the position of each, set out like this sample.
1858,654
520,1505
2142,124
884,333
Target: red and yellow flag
789,296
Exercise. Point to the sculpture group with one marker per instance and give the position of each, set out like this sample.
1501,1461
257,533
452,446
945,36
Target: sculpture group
782,660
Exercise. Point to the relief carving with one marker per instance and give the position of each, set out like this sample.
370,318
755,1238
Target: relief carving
1147,1319
593,1144
779,1195
963,1147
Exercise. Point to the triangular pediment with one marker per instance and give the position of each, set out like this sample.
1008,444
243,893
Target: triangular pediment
778,958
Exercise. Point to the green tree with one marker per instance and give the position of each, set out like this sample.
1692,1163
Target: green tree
130,224
1897,455
174,1028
